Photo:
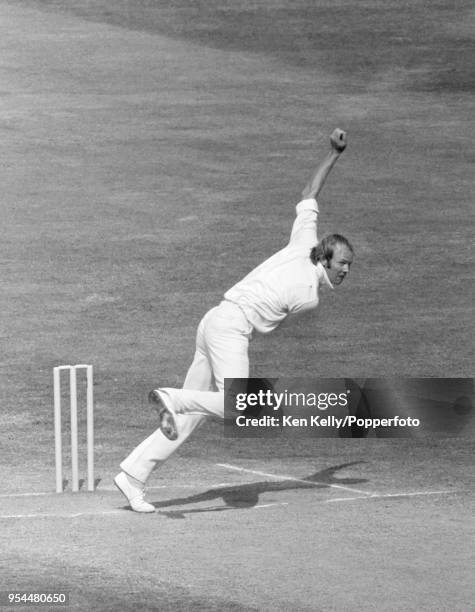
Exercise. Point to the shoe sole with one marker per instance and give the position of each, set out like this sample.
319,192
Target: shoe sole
166,419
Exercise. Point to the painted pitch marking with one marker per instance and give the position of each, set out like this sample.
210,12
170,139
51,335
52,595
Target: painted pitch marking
292,478
383,495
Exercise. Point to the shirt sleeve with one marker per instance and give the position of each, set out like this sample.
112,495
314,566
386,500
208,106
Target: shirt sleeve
304,229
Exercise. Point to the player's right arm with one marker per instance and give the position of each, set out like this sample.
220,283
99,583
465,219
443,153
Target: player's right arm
338,143
304,230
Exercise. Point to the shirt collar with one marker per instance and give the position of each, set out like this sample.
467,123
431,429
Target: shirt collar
323,276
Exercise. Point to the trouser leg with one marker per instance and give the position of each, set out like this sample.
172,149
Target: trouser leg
157,448
226,334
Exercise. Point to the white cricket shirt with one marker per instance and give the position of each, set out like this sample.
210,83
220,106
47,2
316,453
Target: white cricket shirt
286,283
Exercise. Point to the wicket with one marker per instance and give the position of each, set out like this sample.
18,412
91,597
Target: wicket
74,426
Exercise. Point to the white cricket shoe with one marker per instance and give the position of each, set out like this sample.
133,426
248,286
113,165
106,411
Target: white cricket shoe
166,415
134,492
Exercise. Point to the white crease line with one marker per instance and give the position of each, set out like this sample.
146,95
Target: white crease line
116,512
59,514
114,489
162,511
37,494
382,495
269,505
207,485
280,477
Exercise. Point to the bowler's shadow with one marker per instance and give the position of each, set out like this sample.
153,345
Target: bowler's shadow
247,495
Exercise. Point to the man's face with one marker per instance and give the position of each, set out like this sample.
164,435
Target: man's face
339,265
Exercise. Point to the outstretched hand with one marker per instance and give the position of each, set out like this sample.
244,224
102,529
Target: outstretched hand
338,140
338,145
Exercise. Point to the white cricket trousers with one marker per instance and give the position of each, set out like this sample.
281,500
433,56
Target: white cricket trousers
222,343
